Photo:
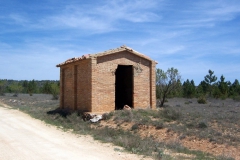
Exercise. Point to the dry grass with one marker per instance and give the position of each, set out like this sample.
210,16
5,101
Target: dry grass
216,122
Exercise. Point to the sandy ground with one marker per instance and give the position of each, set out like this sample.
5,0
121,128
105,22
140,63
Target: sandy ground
23,138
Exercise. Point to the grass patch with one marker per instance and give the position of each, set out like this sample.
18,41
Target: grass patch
170,114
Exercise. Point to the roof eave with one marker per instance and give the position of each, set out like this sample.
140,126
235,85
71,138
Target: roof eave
109,52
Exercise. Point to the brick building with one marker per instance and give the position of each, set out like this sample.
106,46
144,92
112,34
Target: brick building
107,81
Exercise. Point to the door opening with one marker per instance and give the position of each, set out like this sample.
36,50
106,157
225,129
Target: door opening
123,86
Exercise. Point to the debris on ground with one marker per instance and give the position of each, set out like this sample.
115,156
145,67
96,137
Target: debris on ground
96,118
91,117
86,116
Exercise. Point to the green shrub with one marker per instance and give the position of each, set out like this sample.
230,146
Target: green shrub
188,102
224,157
135,126
236,98
107,116
145,120
202,125
55,91
171,114
159,125
190,125
16,88
2,87
202,100
123,115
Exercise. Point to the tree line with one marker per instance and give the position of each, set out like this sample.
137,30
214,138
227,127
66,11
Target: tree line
169,84
31,87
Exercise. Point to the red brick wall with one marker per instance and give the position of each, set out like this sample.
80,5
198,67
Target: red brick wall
84,85
89,85
104,88
153,85
67,94
76,86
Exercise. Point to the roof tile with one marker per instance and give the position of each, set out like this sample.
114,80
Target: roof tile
111,51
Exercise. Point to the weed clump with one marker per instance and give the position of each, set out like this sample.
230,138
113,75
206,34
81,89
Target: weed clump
202,100
202,125
135,126
188,102
55,97
170,114
123,116
107,116
159,125
236,98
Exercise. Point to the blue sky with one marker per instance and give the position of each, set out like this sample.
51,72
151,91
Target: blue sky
192,36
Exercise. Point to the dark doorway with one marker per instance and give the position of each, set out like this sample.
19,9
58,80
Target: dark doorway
123,86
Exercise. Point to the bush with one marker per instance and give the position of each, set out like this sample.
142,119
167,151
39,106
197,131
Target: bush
2,87
224,157
123,115
159,125
16,88
202,100
107,116
55,97
135,126
171,114
55,91
190,124
236,98
202,125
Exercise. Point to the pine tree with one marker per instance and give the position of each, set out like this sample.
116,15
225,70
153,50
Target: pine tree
210,79
32,87
189,89
223,87
234,89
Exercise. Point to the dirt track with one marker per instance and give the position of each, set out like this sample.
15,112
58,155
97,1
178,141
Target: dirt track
22,137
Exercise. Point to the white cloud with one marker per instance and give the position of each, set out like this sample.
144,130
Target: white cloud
190,36
102,18
207,13
34,61
19,19
173,49
133,11
4,45
220,8
78,21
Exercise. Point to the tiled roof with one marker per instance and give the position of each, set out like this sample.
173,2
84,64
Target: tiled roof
111,51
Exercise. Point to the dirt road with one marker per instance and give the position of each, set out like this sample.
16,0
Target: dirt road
22,138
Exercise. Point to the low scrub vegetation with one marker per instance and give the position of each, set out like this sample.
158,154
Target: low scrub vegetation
202,100
217,121
31,87
169,85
